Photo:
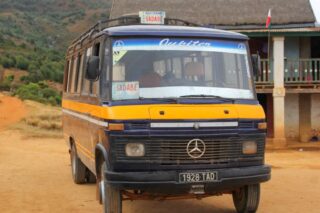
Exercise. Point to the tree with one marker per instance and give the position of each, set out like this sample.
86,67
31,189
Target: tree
7,62
22,63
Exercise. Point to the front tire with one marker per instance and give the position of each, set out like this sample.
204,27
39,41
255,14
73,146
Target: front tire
246,199
110,196
78,169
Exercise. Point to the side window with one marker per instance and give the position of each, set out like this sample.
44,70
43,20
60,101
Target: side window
177,67
231,70
86,82
77,71
70,76
74,74
66,75
94,86
208,71
81,72
160,67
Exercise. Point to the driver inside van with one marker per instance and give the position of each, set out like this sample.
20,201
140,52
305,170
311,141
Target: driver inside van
148,77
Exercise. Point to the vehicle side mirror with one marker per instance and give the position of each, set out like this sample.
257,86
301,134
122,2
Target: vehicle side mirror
93,71
256,64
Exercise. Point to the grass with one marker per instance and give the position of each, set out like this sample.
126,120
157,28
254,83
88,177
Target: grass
42,121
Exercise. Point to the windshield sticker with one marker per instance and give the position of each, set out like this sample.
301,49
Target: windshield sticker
125,90
118,55
179,45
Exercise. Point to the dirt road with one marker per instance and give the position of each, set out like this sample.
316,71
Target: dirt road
35,177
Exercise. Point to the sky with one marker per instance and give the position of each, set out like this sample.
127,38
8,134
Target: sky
316,9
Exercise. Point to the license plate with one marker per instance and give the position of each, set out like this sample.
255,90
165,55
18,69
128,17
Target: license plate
196,177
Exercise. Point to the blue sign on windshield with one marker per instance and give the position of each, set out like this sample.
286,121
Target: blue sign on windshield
188,44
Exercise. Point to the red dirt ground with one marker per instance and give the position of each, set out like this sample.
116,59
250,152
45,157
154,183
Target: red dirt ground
11,110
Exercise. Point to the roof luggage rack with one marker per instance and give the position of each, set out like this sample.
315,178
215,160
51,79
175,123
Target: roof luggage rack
125,21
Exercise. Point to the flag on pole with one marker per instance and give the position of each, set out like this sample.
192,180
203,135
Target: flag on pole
268,21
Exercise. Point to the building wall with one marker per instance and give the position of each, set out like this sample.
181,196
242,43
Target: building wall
292,116
315,111
296,127
305,116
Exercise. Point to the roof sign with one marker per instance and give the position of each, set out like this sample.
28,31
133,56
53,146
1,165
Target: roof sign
152,17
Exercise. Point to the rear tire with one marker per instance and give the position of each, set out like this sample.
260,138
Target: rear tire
110,196
246,199
78,169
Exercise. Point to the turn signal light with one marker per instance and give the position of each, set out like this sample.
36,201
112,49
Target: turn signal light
262,125
116,127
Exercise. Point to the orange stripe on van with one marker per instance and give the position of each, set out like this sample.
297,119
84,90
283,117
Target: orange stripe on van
168,111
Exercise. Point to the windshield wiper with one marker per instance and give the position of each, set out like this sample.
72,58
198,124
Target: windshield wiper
206,96
174,100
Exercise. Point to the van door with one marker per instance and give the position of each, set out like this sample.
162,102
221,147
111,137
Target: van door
94,99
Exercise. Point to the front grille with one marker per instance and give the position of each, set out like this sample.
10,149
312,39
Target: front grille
173,151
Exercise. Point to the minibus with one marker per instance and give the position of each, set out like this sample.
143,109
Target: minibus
157,108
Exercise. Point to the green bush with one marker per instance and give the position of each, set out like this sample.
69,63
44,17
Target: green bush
7,62
30,91
49,93
22,63
39,92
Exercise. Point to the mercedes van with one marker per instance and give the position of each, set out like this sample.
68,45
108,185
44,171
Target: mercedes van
160,108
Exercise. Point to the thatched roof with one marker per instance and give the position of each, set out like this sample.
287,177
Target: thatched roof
223,12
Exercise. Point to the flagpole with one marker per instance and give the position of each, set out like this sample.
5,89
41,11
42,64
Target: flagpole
268,24
269,50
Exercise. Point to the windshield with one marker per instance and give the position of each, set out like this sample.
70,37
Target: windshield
175,68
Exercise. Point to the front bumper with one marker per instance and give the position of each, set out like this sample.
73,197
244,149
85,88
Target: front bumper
167,182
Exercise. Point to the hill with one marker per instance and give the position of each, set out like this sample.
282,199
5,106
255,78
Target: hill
34,34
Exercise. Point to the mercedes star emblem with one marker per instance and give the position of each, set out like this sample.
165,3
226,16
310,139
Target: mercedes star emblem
196,148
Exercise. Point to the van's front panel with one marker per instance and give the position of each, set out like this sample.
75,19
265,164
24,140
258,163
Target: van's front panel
168,154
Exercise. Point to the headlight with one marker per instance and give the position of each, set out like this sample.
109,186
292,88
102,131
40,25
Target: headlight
135,150
249,147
